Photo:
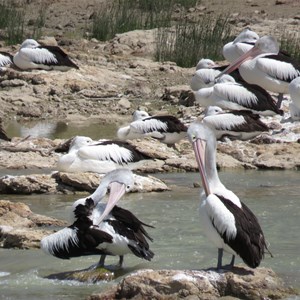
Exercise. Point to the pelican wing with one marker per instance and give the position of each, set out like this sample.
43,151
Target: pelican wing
149,125
226,121
5,59
111,152
281,70
38,55
236,93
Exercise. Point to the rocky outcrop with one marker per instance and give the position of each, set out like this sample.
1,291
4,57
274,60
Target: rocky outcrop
241,282
59,182
21,228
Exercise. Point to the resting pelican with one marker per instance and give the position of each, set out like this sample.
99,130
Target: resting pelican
235,124
5,60
102,229
227,222
34,56
167,129
228,94
86,155
294,90
240,45
265,66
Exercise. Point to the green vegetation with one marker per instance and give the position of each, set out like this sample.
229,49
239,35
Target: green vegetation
290,42
186,43
12,20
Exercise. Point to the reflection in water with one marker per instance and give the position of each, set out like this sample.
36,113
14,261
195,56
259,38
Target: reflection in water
178,244
60,129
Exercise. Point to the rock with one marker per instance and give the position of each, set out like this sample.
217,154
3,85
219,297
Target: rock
241,282
21,228
60,182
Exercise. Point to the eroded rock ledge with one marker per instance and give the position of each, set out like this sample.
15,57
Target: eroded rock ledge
241,282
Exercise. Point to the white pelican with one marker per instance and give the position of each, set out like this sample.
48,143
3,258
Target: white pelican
228,94
227,222
294,90
101,228
5,59
86,155
235,124
206,72
240,45
265,66
167,129
34,56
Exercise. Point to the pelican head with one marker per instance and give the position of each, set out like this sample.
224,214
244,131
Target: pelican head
30,43
80,141
206,63
266,44
118,182
247,36
139,115
199,136
213,110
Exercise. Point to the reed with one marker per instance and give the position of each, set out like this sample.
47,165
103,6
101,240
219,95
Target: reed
290,43
188,42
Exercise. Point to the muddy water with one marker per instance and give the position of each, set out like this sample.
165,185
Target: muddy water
178,243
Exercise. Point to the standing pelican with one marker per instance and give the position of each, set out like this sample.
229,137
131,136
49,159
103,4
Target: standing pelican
167,129
262,65
294,90
34,56
236,124
102,229
86,155
240,45
228,94
228,223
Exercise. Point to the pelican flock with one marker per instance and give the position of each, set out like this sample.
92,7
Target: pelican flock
102,229
234,107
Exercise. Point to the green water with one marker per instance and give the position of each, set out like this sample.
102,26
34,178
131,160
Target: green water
178,244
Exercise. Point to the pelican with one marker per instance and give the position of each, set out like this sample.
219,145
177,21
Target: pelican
167,129
240,45
235,124
227,222
228,94
5,60
34,56
294,90
206,72
265,66
86,155
102,229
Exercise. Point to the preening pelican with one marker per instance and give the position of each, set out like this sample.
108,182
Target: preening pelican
227,222
240,45
34,56
165,128
235,124
228,94
262,65
86,155
294,90
102,229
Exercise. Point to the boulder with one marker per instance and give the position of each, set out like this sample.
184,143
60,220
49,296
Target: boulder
241,282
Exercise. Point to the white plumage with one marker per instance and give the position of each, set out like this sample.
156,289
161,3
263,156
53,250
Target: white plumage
34,56
241,44
5,60
294,90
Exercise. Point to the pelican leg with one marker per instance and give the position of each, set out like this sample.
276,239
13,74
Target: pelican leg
232,262
280,98
120,263
220,256
101,261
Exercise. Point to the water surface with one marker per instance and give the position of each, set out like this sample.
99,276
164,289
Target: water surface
178,243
